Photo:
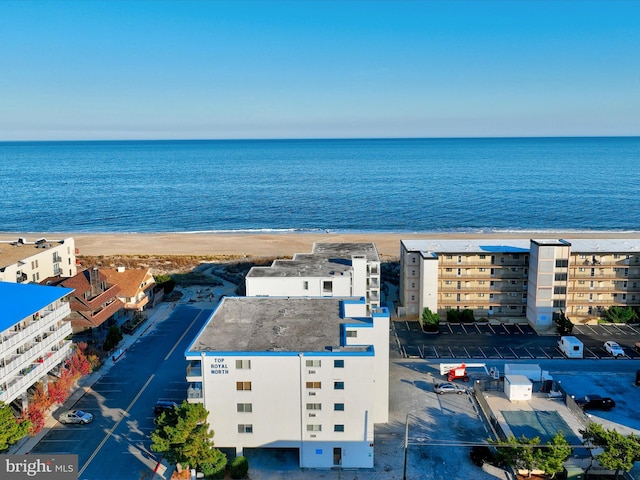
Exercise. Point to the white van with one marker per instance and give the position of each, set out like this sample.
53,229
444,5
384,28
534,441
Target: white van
571,347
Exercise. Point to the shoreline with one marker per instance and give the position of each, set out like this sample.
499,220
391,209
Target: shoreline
280,244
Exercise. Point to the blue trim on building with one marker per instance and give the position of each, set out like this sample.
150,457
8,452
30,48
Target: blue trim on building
329,353
20,301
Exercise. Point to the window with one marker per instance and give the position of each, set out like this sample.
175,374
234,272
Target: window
338,363
413,298
559,304
244,407
481,295
482,257
314,428
314,384
560,277
447,282
245,428
338,428
338,385
305,285
413,285
559,290
338,407
352,333
413,272
240,386
482,269
459,258
314,406
243,364
327,286
314,363
560,263
449,257
413,259
448,270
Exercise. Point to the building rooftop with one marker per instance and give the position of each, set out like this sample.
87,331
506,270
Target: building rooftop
270,324
12,252
581,245
325,260
22,300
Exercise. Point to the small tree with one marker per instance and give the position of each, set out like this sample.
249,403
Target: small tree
619,451
183,436
430,320
551,457
518,453
11,428
113,338
564,325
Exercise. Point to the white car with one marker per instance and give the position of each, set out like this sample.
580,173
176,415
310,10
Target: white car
614,349
76,416
449,387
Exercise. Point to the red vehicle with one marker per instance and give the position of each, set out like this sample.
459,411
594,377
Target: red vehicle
458,372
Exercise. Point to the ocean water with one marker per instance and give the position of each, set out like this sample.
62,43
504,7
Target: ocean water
362,185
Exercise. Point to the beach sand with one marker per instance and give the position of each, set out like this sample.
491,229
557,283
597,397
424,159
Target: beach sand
257,245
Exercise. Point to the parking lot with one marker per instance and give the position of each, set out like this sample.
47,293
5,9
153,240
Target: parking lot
508,341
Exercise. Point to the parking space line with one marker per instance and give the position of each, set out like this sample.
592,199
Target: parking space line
463,329
593,355
499,354
421,352
544,352
451,353
514,353
492,330
528,352
592,330
633,329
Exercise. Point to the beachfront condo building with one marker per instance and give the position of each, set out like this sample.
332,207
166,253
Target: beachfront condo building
330,270
532,280
310,374
22,261
34,336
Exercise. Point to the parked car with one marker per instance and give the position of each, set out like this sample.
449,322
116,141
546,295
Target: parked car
76,416
596,401
164,406
449,387
614,349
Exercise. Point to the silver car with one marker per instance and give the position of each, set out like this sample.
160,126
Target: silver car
449,387
76,416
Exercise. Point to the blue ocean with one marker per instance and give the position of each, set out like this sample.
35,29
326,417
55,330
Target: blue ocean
361,185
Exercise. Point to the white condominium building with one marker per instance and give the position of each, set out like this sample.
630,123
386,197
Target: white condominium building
33,336
310,374
331,270
532,279
23,262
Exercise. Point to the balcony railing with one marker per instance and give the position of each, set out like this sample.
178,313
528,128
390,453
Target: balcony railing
194,391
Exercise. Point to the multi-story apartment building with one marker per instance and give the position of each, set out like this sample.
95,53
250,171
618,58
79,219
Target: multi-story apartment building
331,270
532,279
305,373
23,262
33,336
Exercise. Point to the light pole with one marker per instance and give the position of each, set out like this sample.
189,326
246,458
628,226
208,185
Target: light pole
406,446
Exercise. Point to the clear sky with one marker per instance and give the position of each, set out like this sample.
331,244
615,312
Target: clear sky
318,69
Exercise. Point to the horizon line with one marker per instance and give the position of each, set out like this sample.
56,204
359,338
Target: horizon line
258,139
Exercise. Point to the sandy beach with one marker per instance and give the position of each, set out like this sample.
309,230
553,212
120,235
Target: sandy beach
262,245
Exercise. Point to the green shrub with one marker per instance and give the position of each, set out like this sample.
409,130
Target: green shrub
239,467
213,472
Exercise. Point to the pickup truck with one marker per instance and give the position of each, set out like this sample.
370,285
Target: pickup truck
596,401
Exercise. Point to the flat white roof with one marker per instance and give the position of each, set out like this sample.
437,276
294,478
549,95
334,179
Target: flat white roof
579,245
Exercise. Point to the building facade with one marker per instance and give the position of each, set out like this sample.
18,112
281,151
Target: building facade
331,270
527,279
310,374
94,302
136,286
33,336
32,262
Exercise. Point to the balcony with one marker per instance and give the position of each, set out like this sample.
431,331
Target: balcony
194,392
21,277
194,371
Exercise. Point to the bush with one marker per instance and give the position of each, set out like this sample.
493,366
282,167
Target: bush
430,321
213,472
239,467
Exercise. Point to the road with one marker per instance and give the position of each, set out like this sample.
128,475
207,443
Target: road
116,445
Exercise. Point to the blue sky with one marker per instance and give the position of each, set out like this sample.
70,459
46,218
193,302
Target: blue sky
330,69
